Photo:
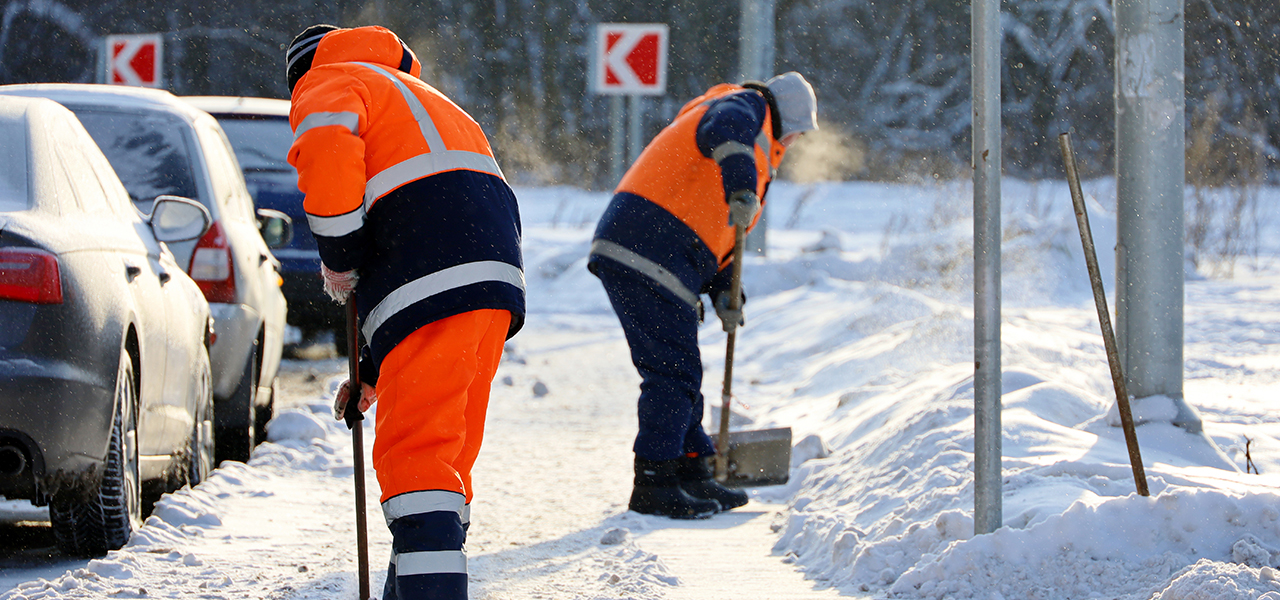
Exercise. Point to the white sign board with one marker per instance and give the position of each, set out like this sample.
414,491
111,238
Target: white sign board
631,59
135,59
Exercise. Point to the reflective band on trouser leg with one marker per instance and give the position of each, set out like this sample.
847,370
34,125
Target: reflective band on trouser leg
427,536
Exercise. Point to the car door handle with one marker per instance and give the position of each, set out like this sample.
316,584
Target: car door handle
262,258
131,271
164,277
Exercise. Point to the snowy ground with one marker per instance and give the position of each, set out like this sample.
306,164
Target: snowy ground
859,338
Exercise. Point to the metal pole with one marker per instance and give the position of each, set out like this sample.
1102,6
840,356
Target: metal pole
1104,317
755,62
987,509
1150,176
635,144
617,159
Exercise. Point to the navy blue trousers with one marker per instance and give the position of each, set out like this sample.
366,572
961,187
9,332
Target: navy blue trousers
663,334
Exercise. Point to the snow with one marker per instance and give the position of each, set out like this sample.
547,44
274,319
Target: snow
859,337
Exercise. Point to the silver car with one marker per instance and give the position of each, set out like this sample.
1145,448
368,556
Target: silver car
160,145
104,362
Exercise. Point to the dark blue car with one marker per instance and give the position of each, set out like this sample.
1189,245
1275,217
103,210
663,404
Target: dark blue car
259,131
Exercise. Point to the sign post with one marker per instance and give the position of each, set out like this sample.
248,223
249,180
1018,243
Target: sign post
135,59
755,62
630,60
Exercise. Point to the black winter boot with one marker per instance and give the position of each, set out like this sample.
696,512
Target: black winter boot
657,492
697,480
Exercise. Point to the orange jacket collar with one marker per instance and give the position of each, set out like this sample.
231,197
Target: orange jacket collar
370,44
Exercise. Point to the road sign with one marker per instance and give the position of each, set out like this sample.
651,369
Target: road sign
630,58
135,59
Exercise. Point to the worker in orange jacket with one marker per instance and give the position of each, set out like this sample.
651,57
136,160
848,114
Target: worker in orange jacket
411,214
666,238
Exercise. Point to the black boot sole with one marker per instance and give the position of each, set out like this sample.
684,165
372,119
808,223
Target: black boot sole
672,510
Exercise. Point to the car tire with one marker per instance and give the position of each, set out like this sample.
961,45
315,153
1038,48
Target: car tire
200,456
234,434
93,521
264,414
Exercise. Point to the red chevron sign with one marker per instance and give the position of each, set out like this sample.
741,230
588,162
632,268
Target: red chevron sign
631,58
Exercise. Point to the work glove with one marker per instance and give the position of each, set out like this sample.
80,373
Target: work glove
743,206
339,286
729,317
367,397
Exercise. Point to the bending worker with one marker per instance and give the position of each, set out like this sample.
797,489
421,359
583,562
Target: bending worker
411,213
666,238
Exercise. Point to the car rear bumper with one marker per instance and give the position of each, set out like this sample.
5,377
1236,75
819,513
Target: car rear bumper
236,328
58,417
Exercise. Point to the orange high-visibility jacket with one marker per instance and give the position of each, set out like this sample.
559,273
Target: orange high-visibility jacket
678,175
402,186
669,217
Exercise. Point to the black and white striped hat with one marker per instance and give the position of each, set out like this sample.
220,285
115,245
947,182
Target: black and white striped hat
301,51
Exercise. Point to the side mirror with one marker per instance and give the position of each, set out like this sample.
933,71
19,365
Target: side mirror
178,219
276,227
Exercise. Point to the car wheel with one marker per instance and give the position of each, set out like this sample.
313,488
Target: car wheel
234,433
91,522
201,455
264,414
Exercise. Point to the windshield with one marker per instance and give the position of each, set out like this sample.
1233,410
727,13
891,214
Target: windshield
150,152
260,143
13,166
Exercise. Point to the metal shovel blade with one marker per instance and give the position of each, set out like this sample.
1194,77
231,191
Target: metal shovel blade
758,457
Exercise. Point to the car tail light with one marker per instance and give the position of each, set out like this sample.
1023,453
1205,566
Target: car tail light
30,275
211,267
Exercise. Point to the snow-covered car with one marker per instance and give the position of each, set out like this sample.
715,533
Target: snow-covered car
160,145
260,134
105,382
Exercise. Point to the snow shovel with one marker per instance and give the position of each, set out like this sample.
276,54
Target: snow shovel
353,416
746,458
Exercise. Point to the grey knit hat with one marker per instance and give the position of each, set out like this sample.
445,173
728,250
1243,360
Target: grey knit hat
796,101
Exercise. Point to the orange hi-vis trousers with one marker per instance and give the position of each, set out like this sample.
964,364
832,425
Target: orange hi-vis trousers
433,395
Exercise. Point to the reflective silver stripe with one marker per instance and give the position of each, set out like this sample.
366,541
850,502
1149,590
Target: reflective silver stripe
645,267
437,160
338,225
430,563
732,148
423,165
416,503
349,120
440,282
762,140
465,514
425,124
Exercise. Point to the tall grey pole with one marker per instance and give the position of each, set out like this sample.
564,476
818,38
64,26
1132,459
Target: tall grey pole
755,61
617,157
985,51
1150,177
635,144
